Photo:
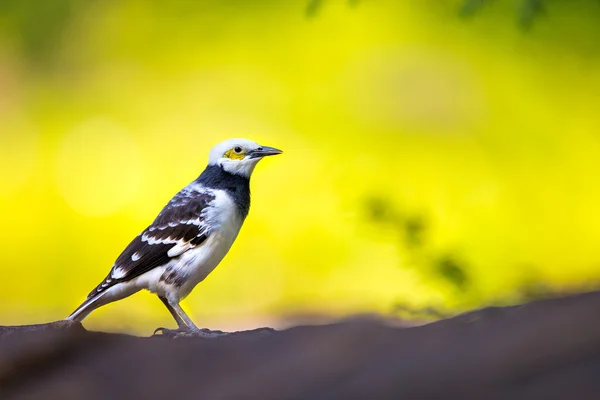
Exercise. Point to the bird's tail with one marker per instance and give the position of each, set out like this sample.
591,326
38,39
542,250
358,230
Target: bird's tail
89,305
92,301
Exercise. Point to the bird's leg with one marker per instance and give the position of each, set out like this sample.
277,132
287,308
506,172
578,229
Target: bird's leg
185,323
187,320
180,322
191,328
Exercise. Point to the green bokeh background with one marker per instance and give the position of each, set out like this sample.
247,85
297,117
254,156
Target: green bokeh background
434,158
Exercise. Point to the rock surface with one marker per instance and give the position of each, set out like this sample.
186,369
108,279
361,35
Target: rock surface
543,350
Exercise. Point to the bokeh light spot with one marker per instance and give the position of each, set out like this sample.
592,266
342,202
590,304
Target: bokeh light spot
99,168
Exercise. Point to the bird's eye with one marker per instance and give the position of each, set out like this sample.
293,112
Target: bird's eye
237,149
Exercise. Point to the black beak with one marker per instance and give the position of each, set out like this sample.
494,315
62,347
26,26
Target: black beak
264,151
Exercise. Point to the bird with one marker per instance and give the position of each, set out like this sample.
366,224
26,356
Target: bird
188,238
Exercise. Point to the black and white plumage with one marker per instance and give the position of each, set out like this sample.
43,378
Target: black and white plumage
189,237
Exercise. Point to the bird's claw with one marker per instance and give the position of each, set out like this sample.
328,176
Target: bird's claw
166,332
188,332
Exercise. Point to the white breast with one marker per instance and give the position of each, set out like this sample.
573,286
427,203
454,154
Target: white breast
224,222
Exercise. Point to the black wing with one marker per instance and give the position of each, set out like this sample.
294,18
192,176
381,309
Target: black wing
179,227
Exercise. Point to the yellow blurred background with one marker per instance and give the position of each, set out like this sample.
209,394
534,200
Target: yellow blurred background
430,159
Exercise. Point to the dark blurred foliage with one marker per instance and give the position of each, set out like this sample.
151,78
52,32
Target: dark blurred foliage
528,10
412,229
450,268
38,25
314,6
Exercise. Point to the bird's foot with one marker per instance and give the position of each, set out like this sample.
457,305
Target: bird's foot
188,332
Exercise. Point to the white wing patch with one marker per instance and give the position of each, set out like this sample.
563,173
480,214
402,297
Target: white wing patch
181,248
118,273
152,240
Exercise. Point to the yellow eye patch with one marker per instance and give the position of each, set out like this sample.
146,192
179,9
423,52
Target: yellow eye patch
235,156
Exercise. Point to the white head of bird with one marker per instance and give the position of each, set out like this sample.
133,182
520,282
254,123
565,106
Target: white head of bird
239,156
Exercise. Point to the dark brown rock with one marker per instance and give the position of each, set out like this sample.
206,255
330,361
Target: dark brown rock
543,350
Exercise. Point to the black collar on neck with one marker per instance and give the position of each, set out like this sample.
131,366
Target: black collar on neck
237,186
